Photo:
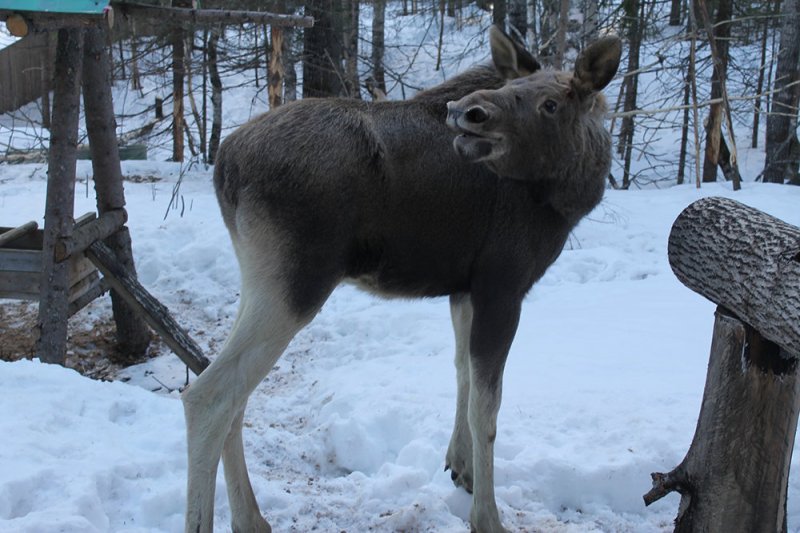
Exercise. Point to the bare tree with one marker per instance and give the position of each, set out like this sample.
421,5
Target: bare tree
781,163
719,38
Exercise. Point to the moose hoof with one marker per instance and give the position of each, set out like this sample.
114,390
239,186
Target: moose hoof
485,519
461,478
256,525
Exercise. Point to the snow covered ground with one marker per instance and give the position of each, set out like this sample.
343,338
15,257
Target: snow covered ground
603,386
349,432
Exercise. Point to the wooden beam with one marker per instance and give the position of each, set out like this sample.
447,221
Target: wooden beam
16,233
154,313
744,260
210,16
97,230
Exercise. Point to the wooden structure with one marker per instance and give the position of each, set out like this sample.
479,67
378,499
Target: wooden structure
735,474
61,259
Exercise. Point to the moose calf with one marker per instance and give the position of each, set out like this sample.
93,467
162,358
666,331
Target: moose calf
469,190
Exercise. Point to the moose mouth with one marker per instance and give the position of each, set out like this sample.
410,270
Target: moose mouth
471,143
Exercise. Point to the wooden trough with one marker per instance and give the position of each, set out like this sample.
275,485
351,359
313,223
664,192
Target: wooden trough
21,264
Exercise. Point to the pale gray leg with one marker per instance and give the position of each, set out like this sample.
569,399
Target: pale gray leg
494,324
459,452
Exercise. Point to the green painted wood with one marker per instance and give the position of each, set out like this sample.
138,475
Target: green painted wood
88,7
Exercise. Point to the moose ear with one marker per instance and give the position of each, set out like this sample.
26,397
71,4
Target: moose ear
597,65
510,59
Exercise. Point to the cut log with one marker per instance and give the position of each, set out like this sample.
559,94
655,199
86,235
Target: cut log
744,260
153,312
210,17
109,223
58,219
736,472
14,234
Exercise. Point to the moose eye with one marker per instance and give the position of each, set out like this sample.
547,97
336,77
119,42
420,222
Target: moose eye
550,106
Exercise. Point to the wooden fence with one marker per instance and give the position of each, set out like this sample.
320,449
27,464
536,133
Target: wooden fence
26,70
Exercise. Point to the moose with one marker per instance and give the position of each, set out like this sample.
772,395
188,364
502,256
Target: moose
467,190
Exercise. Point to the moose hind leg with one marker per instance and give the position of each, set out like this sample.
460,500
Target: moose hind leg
459,453
245,515
215,402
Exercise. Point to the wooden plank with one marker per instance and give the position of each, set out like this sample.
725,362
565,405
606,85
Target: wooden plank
20,285
20,260
79,268
80,287
154,313
7,237
97,289
31,241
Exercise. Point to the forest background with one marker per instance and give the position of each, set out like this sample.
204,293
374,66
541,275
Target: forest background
703,83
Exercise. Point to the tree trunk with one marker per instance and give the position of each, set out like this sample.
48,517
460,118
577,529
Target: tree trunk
761,69
58,218
322,50
499,14
378,35
735,475
782,120
684,131
631,87
549,24
518,19
533,34
350,18
736,472
675,13
289,64
216,96
133,337
719,38
136,80
561,35
276,68
178,71
591,23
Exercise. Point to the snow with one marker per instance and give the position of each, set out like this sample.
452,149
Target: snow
349,432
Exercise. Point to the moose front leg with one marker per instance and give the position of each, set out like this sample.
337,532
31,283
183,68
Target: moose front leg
459,452
493,327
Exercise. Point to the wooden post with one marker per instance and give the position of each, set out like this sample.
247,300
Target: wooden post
735,474
276,68
133,337
58,219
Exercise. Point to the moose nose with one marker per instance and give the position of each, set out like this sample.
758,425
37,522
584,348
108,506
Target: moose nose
476,114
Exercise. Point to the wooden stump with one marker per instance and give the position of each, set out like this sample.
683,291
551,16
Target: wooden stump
735,474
